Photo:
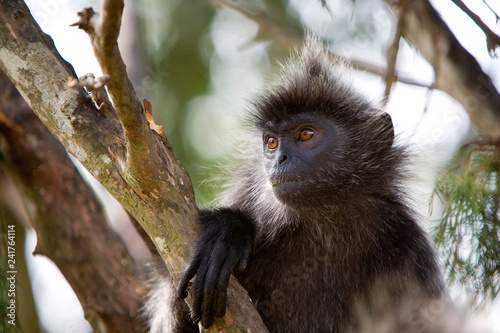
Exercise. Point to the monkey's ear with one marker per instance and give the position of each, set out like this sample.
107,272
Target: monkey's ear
384,128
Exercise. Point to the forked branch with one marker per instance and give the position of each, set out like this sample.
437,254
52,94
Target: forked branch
120,149
103,29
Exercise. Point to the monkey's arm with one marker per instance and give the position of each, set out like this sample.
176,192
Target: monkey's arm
224,246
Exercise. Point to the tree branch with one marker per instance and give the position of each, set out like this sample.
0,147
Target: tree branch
166,211
392,52
103,30
493,40
131,160
457,71
288,38
71,226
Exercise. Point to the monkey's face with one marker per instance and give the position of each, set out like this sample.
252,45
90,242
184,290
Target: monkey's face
300,154
323,141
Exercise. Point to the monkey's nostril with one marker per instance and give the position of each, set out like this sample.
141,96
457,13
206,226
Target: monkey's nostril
282,159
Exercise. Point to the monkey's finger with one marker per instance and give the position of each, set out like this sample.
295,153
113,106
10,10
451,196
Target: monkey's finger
197,287
201,248
224,278
188,274
197,295
221,300
220,258
209,290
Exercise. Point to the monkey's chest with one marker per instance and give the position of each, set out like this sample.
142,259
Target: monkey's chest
301,288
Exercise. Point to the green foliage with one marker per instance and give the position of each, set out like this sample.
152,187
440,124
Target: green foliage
469,232
180,57
177,47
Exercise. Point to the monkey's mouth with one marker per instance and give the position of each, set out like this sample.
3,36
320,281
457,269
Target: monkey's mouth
283,180
287,188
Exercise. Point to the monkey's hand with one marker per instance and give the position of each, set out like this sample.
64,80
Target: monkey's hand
224,246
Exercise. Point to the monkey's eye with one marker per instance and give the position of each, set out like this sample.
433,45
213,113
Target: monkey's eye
272,142
306,134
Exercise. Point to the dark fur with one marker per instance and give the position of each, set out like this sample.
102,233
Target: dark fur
317,264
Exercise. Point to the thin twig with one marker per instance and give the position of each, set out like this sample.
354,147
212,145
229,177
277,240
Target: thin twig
492,10
392,52
485,142
280,32
264,21
103,30
370,68
493,40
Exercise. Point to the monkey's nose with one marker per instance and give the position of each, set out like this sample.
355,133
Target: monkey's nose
282,159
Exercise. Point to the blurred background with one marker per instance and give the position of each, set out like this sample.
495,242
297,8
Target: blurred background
199,62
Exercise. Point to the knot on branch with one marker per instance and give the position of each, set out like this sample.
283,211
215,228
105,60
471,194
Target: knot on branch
86,16
88,81
95,86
